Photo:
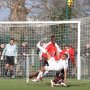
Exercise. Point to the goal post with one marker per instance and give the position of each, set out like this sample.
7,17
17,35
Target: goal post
78,49
34,31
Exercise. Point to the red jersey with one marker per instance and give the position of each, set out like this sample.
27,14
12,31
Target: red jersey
71,55
51,49
63,52
70,52
56,57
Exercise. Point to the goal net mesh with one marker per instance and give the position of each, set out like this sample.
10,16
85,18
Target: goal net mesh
27,35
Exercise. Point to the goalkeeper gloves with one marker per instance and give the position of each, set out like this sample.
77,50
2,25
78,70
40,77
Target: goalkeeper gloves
1,57
15,61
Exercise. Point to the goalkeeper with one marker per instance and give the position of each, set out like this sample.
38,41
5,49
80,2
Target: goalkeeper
10,51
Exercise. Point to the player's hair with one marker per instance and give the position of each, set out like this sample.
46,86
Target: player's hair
11,39
66,55
52,37
67,45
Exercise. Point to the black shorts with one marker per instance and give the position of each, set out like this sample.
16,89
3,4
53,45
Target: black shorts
9,60
60,73
45,63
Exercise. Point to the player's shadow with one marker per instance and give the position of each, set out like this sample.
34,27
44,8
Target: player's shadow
48,84
73,85
83,85
70,85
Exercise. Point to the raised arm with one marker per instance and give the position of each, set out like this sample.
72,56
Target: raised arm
65,75
4,50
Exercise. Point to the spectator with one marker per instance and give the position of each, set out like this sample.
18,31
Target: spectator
2,62
24,48
21,67
87,54
1,48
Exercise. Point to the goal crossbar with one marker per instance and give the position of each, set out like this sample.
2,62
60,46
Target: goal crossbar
46,23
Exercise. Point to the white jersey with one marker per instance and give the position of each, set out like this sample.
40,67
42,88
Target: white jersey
40,52
68,56
56,65
62,64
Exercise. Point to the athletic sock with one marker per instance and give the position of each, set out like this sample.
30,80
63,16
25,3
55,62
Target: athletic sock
45,73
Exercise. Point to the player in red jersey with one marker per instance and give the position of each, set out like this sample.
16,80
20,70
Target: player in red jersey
71,62
51,47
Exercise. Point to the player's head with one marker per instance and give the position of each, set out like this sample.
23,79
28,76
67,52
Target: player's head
87,45
2,45
24,43
67,47
11,41
53,39
64,56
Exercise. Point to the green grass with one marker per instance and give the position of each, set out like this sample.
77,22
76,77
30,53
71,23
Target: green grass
20,84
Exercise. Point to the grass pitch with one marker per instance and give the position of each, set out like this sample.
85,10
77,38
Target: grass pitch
20,84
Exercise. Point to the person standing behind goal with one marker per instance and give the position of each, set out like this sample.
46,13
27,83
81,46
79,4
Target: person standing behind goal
10,51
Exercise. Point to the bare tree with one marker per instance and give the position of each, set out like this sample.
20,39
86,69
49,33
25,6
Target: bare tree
53,9
49,9
18,10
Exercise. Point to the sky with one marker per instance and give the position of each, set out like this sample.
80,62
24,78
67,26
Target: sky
4,14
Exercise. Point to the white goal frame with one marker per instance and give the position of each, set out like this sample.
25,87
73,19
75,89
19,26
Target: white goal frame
59,22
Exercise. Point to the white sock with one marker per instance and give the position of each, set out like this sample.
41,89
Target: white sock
39,75
45,73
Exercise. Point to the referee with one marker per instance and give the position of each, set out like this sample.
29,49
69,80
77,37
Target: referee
10,51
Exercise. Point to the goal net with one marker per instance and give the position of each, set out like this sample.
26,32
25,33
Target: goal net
28,34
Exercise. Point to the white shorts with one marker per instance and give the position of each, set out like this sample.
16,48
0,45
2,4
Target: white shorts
51,61
53,65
